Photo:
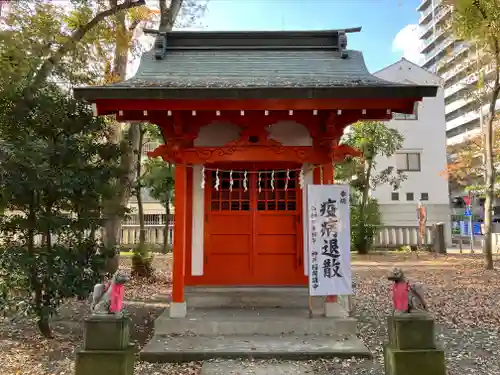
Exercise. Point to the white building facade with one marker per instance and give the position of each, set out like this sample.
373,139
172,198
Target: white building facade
457,63
422,157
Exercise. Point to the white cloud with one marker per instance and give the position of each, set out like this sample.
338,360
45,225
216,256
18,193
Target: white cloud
407,41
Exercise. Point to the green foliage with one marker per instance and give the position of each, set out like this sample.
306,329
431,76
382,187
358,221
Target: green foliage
37,30
56,172
477,21
159,179
372,139
142,262
364,223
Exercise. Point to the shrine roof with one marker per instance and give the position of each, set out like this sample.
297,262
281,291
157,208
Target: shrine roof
253,65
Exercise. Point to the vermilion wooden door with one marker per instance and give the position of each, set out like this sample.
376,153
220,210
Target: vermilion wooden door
228,230
278,247
253,229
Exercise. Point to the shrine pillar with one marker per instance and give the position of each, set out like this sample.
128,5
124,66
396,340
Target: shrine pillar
178,308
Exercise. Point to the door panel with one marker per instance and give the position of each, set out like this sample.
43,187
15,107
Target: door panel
229,230
253,229
277,250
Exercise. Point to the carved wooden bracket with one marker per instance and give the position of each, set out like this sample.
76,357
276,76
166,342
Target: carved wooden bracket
253,153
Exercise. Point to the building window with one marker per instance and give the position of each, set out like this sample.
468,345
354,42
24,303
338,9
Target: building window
409,196
424,196
395,196
406,116
408,162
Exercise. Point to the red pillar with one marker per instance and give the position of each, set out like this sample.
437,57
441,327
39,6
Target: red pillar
180,230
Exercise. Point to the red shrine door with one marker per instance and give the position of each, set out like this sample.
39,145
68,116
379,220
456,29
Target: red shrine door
253,228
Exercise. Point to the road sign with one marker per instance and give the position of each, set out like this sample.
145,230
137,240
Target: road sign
468,211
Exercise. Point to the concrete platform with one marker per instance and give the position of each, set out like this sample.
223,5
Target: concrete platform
232,367
252,297
262,321
198,348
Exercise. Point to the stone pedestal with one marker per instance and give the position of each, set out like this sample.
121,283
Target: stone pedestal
106,347
335,310
439,238
412,348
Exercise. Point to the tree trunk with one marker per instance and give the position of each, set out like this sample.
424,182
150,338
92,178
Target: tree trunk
113,212
142,228
166,236
489,166
36,286
114,215
168,14
44,328
364,243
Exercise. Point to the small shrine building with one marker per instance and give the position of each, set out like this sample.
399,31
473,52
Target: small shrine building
248,119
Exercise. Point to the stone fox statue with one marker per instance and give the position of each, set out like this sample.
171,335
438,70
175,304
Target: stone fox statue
108,298
412,294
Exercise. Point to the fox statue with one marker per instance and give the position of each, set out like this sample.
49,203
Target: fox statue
407,297
107,298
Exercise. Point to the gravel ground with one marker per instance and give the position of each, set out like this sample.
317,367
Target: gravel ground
462,296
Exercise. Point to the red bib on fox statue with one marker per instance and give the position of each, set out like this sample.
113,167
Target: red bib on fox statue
400,296
406,297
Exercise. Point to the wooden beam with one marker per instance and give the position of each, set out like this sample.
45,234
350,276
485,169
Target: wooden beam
290,154
107,106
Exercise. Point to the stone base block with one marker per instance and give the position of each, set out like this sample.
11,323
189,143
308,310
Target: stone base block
106,332
414,362
412,331
335,310
178,310
105,362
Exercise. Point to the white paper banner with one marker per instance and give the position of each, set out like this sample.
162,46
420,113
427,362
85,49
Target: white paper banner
329,240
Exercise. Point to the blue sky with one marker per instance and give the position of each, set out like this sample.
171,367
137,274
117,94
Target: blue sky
381,20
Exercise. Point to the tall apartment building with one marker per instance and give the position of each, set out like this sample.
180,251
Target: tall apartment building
455,61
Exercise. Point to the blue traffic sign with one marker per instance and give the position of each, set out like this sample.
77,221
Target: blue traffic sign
468,211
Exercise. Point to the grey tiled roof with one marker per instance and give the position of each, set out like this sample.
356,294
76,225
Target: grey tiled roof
252,68
253,65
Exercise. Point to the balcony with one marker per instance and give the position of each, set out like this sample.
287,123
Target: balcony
426,29
462,137
426,16
429,57
429,43
457,69
467,81
424,4
458,49
469,116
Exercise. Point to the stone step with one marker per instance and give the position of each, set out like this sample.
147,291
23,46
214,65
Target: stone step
198,348
232,367
262,321
250,297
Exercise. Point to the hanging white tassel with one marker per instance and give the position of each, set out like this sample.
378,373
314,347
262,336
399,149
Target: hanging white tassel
260,179
202,177
245,181
231,182
301,178
272,180
287,179
217,180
